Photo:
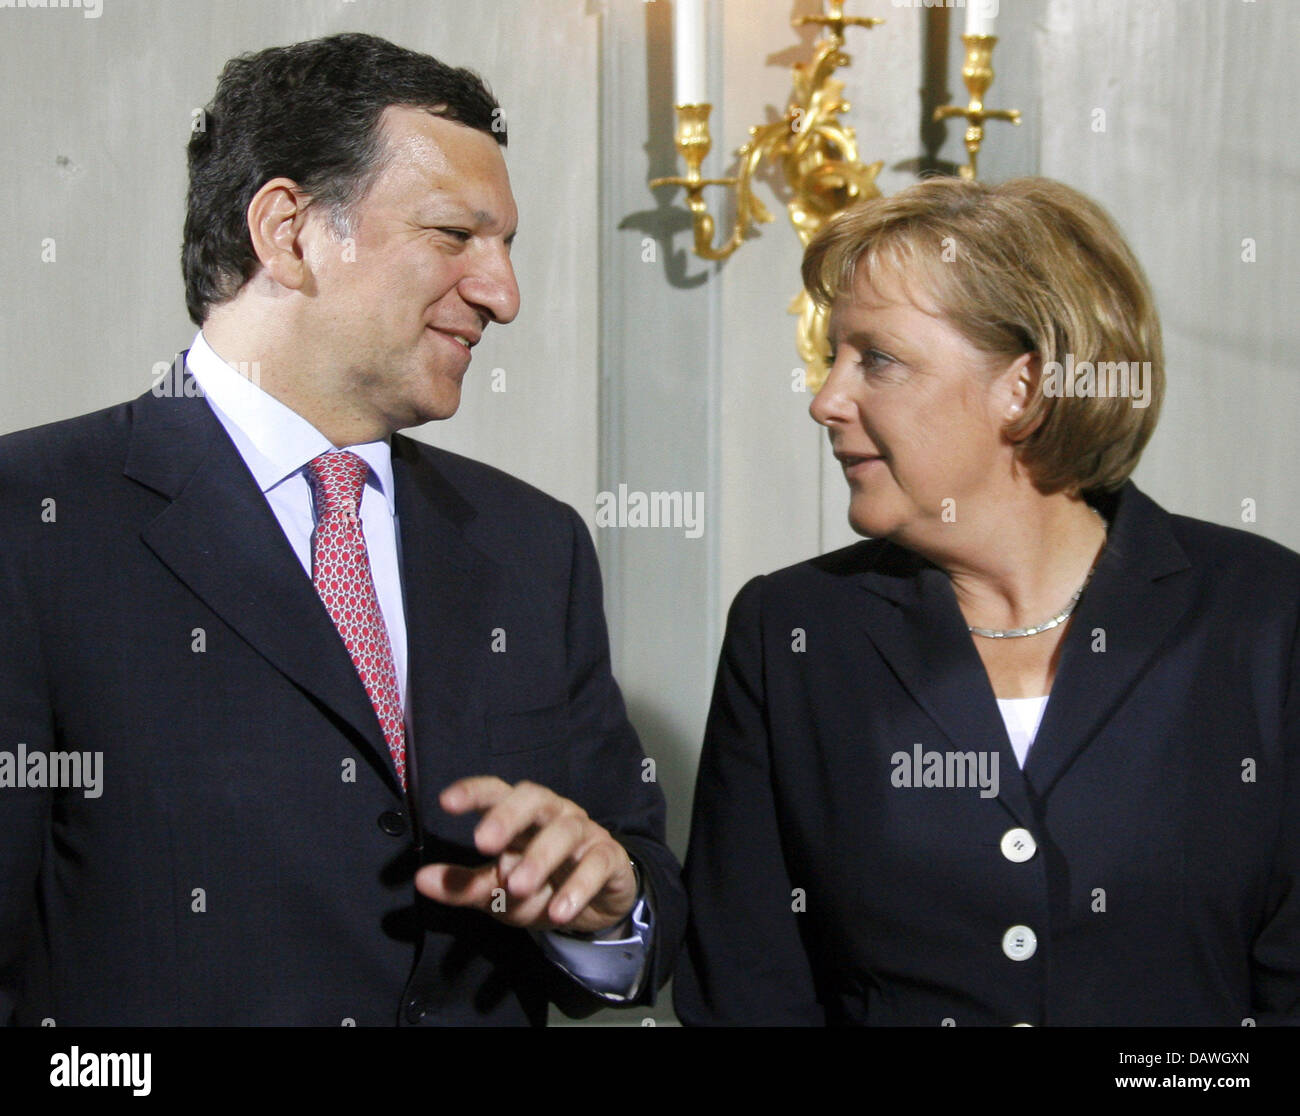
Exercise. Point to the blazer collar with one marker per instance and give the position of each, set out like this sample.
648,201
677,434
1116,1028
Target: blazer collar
1137,593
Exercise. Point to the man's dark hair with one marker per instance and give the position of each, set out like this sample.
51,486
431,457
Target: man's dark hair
309,112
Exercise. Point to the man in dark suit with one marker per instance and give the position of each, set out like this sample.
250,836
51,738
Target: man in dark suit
306,722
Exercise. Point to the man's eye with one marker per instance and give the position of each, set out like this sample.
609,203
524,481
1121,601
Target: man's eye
458,234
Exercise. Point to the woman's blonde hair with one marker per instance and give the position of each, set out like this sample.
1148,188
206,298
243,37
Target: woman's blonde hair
1026,266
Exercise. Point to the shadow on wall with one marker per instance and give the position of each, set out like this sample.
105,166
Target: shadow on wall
670,216
934,92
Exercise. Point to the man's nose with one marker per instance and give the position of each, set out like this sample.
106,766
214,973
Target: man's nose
491,286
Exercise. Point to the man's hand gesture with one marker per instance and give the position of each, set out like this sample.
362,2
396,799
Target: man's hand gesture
554,868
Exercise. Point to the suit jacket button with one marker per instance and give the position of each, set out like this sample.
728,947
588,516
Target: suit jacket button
415,1010
393,822
1018,845
1019,943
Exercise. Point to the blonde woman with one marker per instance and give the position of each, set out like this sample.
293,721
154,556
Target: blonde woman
1031,754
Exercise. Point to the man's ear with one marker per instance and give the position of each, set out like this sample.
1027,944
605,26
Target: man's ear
276,217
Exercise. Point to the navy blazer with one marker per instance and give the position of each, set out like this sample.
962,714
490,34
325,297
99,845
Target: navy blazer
249,860
1160,803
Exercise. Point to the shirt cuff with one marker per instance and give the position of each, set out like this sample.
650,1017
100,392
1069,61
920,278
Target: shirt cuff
611,968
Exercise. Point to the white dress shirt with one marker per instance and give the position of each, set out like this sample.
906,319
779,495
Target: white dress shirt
276,444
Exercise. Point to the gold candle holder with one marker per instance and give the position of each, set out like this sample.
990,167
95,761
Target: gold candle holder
693,144
977,73
818,156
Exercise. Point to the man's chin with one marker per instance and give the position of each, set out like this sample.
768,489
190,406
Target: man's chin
433,410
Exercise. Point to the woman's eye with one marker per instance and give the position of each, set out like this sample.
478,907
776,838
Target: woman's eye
870,360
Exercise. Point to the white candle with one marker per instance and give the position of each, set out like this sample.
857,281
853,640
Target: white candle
981,16
690,41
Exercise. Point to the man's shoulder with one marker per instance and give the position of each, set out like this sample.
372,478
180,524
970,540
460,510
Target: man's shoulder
57,448
476,480
501,514
513,522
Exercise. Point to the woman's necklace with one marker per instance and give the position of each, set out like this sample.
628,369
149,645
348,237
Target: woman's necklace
1060,618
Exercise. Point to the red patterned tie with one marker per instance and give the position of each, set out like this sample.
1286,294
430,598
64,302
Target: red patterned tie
340,570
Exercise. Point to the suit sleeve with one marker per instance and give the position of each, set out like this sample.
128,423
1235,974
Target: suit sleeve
745,962
1276,953
25,728
615,786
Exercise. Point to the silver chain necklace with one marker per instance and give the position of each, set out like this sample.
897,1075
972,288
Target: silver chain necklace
1060,618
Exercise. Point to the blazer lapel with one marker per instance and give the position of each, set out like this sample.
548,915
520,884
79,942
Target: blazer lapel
221,539
448,586
1138,592
912,618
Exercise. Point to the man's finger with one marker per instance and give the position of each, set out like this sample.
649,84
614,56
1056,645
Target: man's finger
527,805
527,912
563,837
602,863
458,886
480,889
476,792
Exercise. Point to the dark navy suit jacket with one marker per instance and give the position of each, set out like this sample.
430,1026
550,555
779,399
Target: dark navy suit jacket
249,860
1162,793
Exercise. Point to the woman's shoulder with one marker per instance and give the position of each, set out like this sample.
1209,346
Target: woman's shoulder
1233,571
1204,539
1235,558
834,572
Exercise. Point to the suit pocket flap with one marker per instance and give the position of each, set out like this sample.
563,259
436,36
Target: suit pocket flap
523,732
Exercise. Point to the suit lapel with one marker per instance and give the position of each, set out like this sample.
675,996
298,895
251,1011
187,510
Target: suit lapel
221,539
448,586
1138,592
912,618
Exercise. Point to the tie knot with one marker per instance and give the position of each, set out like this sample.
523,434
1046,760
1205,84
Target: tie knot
338,479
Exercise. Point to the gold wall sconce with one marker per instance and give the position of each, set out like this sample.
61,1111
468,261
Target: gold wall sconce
814,149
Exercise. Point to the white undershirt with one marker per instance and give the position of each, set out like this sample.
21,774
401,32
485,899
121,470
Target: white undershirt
1022,717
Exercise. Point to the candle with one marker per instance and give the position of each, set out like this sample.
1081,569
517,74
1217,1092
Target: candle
981,15
690,41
